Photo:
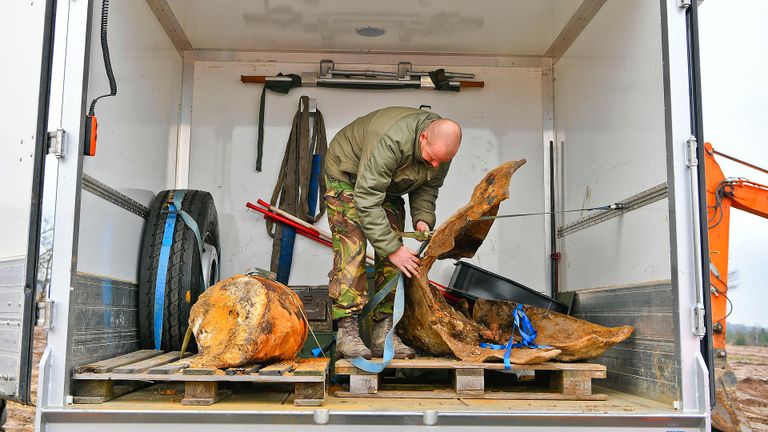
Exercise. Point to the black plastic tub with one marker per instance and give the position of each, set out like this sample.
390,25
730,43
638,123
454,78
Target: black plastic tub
477,282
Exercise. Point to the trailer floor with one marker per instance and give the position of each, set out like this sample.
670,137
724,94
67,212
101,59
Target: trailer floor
161,397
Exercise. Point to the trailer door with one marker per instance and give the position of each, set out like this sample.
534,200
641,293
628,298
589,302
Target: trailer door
25,31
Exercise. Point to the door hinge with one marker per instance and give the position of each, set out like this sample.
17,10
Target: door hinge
685,4
45,314
697,320
56,143
691,145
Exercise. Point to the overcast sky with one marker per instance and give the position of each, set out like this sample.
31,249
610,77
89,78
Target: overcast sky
734,65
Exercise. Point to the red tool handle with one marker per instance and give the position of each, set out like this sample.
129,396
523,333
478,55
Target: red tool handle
253,79
299,229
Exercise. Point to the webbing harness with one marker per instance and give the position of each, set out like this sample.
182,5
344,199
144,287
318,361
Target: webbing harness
527,335
295,192
277,86
174,203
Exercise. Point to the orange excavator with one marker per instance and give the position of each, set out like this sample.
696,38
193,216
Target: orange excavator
722,195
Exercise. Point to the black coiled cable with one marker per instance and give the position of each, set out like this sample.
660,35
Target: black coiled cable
105,53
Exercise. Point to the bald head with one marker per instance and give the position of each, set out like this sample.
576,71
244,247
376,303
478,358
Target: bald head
440,141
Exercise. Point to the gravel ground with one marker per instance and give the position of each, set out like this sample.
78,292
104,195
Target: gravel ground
22,417
750,364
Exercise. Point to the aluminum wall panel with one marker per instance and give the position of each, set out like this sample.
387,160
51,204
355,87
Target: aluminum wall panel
647,363
12,273
105,318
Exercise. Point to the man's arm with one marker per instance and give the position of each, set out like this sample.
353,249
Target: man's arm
373,178
422,200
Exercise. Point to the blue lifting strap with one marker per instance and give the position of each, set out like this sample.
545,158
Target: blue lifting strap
174,209
389,351
317,352
528,335
314,184
285,260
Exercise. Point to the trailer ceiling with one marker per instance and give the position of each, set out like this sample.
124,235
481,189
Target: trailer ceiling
496,27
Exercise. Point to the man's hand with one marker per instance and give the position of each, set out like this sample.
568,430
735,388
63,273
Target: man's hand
422,226
406,260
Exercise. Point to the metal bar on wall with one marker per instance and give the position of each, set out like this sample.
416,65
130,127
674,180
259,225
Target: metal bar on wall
634,202
114,196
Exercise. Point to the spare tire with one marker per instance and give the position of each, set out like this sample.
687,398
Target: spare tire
184,275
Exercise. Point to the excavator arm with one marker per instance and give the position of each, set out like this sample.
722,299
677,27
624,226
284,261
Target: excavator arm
722,195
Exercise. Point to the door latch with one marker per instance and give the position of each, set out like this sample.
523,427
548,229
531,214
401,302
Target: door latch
45,314
56,143
697,320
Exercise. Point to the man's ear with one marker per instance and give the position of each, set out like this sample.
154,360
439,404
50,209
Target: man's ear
423,137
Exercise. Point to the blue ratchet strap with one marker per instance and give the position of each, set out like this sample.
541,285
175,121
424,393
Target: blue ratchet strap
389,351
285,259
527,335
162,269
177,200
379,296
192,224
314,184
317,352
174,209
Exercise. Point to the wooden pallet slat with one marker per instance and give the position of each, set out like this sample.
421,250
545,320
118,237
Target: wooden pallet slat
556,381
172,368
345,367
278,369
111,378
149,363
310,366
244,370
200,371
105,366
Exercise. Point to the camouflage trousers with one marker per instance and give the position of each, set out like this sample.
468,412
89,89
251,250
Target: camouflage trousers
348,285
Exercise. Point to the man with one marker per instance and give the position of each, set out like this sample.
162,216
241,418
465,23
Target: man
370,164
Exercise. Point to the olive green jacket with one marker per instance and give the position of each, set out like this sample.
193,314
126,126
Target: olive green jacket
380,155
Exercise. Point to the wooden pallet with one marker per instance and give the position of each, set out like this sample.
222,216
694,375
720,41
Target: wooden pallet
107,379
553,381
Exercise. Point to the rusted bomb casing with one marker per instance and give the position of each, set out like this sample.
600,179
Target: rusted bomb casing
247,319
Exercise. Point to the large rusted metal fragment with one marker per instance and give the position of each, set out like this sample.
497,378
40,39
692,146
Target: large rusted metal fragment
432,325
575,338
247,319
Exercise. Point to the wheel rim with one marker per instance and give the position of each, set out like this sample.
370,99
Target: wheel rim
210,264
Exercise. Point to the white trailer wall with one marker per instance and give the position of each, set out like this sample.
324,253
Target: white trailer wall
610,122
609,106
135,155
501,121
136,137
